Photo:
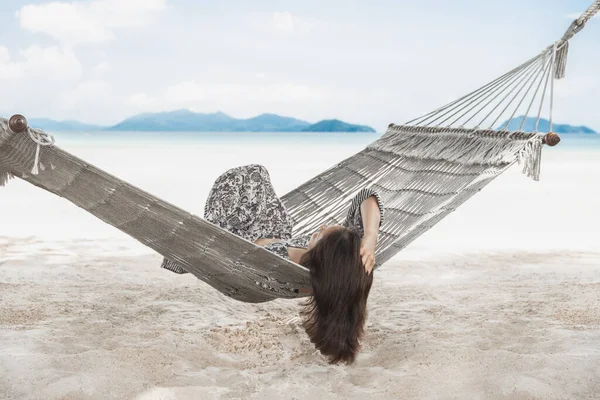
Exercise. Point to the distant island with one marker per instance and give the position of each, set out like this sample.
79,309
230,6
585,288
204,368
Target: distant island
62,126
188,121
544,126
334,125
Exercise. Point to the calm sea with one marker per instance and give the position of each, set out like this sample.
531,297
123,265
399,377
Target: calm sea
143,139
181,168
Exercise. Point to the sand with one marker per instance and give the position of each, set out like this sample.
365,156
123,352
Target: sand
80,324
500,301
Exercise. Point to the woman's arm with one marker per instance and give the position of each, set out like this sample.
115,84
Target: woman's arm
296,254
371,216
371,219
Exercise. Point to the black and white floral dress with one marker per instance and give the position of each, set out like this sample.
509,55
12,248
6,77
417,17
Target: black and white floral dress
243,202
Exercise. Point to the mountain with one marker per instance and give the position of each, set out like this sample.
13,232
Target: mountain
272,123
544,126
62,126
334,125
185,120
188,121
179,120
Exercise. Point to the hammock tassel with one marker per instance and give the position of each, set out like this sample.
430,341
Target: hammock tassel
530,157
560,65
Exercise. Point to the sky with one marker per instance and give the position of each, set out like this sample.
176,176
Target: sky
369,62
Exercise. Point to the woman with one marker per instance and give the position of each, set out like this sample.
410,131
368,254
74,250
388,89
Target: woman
340,258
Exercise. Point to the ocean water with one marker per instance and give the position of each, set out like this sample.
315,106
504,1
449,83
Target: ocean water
146,138
150,138
180,168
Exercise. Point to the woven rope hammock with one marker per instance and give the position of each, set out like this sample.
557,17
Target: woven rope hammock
423,171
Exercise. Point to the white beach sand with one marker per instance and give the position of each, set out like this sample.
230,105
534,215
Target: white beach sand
499,301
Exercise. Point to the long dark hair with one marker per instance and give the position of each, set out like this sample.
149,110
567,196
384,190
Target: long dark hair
335,313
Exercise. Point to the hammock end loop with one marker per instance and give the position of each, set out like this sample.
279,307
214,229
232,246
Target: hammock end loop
18,124
551,139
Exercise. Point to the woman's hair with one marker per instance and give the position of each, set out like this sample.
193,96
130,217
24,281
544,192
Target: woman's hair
335,314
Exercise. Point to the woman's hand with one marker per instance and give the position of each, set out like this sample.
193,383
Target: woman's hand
367,252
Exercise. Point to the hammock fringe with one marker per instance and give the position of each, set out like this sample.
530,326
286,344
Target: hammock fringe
5,176
464,146
530,158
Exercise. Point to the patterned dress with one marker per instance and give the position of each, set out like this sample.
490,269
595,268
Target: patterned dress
243,202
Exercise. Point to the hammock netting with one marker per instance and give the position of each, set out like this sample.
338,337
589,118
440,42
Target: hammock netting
423,171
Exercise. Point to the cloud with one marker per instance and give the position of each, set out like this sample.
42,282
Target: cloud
238,99
576,87
37,81
4,55
100,69
88,22
192,92
8,69
84,94
279,22
141,100
40,62
286,22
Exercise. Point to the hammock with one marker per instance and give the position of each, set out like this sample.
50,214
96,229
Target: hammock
423,171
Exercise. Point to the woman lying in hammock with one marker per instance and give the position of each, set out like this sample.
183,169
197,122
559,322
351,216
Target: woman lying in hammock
340,257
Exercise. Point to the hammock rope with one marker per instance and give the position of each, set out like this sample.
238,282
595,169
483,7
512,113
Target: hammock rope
423,170
562,46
